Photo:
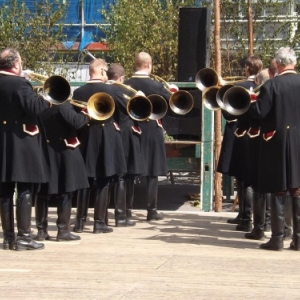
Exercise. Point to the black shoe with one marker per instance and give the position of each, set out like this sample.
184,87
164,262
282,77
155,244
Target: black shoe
245,225
154,215
26,243
42,236
101,228
275,243
79,225
8,242
124,222
255,234
64,235
128,213
236,220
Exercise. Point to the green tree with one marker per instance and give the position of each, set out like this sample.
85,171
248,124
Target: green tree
145,25
273,27
36,33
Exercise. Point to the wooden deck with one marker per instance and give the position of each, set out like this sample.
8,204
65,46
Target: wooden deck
188,255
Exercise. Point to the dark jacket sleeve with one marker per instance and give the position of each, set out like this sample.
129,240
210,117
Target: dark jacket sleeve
31,102
262,106
73,118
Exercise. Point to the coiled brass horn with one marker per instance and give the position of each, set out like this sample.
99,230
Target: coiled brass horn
208,77
220,95
209,98
159,107
181,102
138,107
56,89
100,106
237,99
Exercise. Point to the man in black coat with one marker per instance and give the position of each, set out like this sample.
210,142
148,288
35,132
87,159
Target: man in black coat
278,108
102,150
235,152
23,150
68,173
130,132
152,137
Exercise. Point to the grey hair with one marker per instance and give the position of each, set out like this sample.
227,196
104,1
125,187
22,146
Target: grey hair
286,56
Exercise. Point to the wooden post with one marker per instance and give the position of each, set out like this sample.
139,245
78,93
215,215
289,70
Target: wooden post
218,116
250,28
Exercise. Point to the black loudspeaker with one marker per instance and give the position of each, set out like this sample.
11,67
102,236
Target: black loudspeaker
193,42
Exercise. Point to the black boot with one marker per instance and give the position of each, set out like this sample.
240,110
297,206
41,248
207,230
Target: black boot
120,205
83,198
152,186
100,211
129,181
295,244
7,221
259,211
240,194
267,226
277,224
288,218
41,217
23,214
64,207
246,223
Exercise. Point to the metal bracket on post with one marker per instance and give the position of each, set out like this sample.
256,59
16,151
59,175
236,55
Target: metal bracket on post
207,160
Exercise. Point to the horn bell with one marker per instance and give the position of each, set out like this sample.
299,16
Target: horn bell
206,78
220,95
209,98
159,107
56,89
181,102
100,106
237,100
139,108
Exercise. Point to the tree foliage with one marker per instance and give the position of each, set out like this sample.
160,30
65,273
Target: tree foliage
274,25
152,26
35,32
145,25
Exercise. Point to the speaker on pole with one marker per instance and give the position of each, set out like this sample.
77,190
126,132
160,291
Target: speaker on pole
193,42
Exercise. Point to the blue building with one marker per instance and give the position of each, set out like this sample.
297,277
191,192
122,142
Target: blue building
81,22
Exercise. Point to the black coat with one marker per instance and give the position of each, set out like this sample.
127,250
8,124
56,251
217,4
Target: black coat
226,147
23,156
152,137
239,154
67,167
101,141
278,108
130,132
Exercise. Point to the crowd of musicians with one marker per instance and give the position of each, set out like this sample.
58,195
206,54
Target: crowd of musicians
49,150
261,149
